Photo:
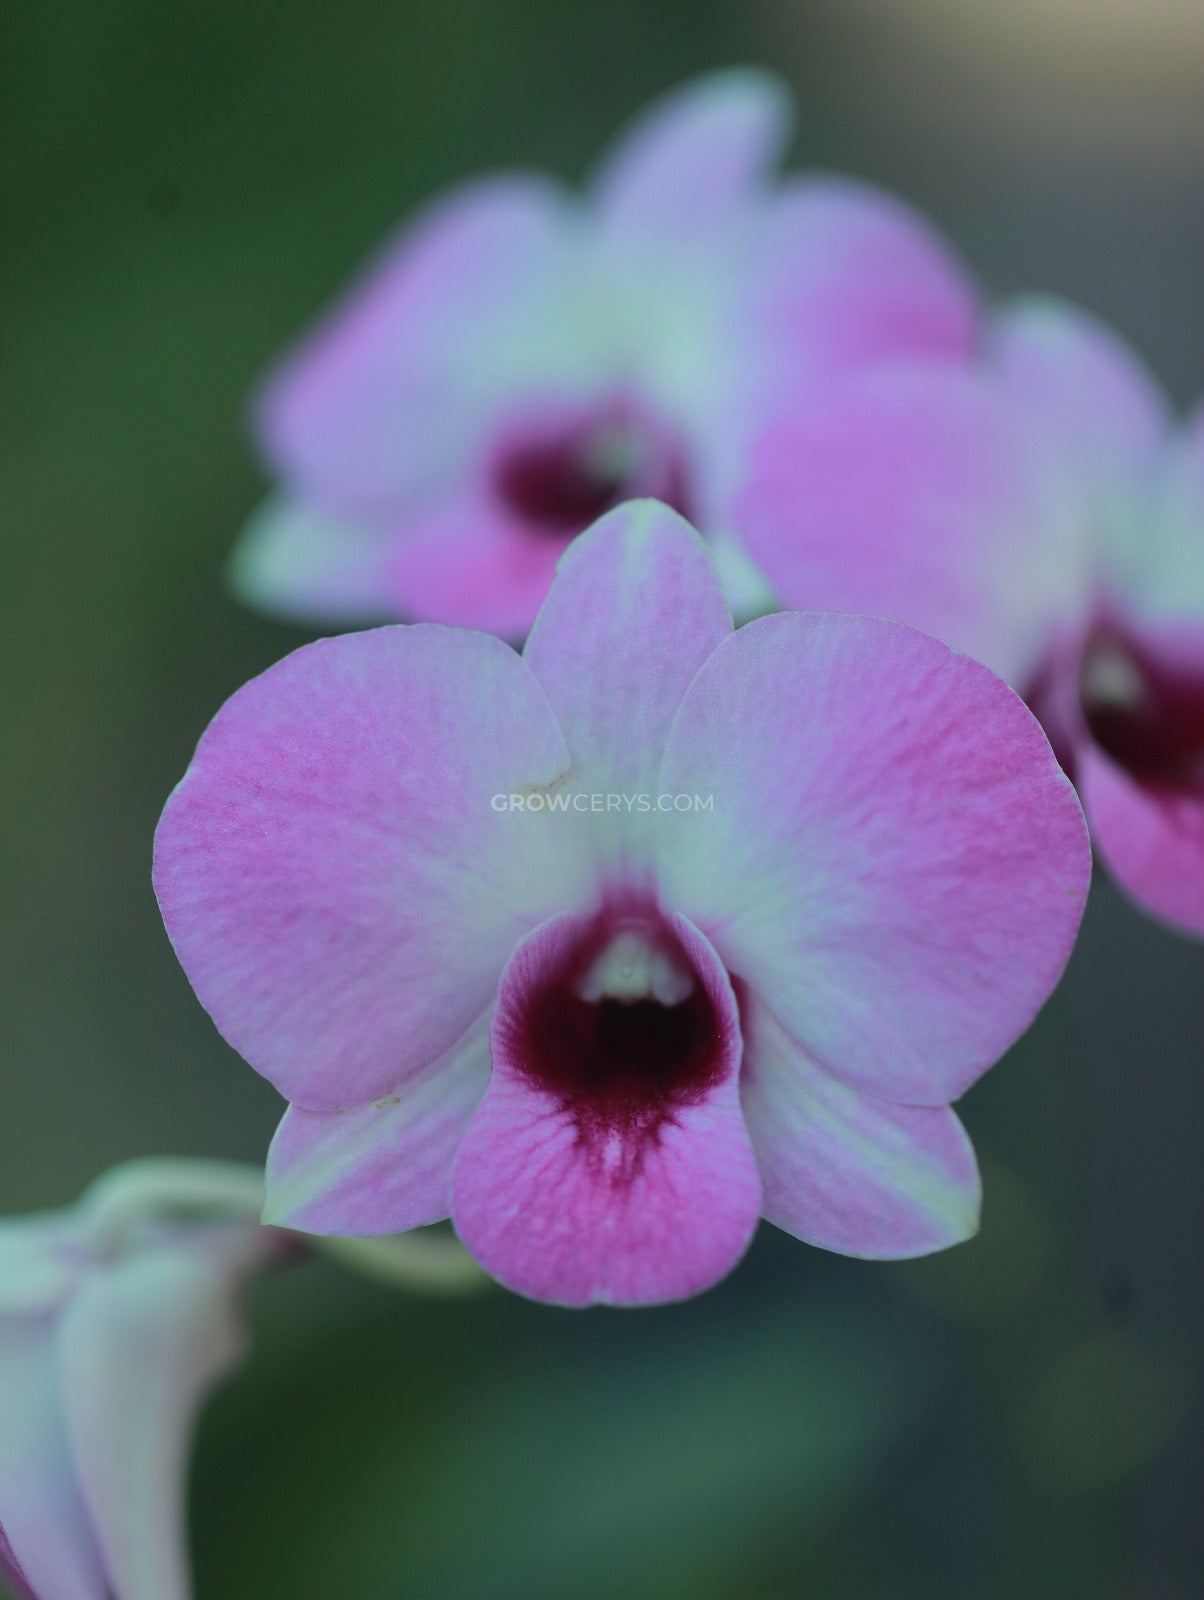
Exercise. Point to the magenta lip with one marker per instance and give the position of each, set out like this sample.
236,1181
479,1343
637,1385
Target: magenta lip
620,1066
1144,710
558,471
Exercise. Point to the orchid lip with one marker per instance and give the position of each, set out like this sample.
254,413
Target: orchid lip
621,1032
556,474
1145,713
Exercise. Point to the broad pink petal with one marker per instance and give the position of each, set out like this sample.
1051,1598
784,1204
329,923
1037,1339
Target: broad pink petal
845,1170
295,561
1151,839
695,154
563,1211
1086,387
466,562
383,1167
919,493
635,611
141,1344
43,1516
332,873
852,276
893,859
1106,425
378,404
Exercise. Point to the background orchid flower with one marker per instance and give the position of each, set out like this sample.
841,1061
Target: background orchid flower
606,1039
1040,510
521,359
116,1317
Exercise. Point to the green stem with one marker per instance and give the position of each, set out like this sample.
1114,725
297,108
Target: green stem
436,1264
172,1187
193,1189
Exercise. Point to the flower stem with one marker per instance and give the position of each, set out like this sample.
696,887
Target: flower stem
426,1263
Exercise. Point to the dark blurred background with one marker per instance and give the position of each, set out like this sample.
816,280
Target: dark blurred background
183,186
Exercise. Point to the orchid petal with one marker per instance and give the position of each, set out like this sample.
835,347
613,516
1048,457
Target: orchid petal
44,1519
337,871
383,1167
1151,839
141,1344
845,1170
695,154
1103,417
624,1214
892,860
293,560
849,275
1082,382
465,561
380,402
635,610
924,494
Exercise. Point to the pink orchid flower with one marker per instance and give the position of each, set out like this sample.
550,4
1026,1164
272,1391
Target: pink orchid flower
520,359
605,1039
115,1320
1040,510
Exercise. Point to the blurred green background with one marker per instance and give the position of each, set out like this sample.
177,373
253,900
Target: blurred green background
182,188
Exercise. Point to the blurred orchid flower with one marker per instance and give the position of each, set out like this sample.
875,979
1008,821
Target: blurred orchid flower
116,1317
520,359
606,1038
1040,510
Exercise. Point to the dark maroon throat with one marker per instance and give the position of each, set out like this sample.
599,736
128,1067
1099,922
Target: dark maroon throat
555,479
625,1036
1145,714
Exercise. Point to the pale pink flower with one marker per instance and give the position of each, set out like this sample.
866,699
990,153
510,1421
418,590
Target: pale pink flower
520,358
604,1041
1040,509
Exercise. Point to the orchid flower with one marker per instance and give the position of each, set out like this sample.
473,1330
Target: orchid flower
519,359
606,1038
116,1318
1040,509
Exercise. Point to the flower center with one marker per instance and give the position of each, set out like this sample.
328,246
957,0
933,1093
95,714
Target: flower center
1147,715
624,1034
558,475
